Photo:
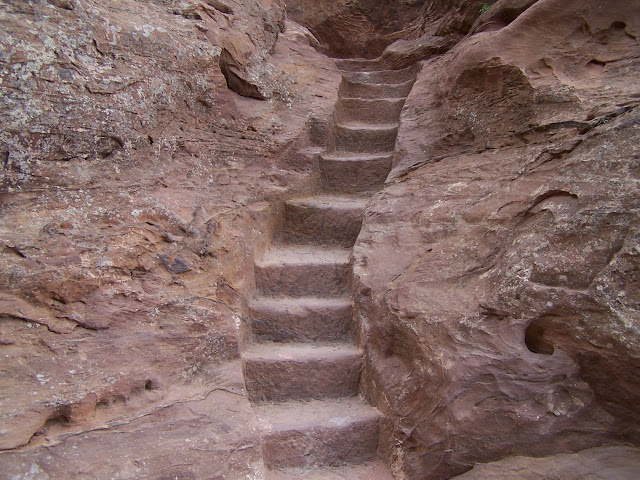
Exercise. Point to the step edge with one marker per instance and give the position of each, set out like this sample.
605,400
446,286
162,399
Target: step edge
337,202
356,157
333,300
375,127
346,349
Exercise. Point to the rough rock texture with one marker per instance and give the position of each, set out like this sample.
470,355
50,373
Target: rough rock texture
605,463
498,270
496,273
363,28
132,187
246,41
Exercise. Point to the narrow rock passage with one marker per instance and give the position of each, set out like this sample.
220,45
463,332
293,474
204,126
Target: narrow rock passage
302,366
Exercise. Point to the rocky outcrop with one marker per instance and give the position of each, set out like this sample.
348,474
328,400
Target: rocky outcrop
364,28
247,33
602,463
497,270
495,275
132,182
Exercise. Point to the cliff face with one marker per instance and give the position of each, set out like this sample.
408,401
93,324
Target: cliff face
364,28
498,269
495,276
132,180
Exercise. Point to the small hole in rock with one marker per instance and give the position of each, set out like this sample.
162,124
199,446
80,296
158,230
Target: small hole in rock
535,340
599,63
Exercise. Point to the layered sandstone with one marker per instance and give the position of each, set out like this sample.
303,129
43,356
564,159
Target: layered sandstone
164,162
498,268
133,186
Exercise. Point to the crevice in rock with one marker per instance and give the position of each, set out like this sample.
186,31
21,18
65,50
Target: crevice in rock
536,340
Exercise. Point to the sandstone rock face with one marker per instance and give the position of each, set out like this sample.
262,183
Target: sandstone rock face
363,28
181,183
602,463
247,32
133,184
497,271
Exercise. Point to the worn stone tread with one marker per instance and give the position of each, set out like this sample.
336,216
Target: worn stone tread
355,89
365,137
303,270
304,255
374,470
277,372
368,110
323,219
375,100
313,414
318,432
301,352
359,64
369,127
356,156
332,202
285,304
390,77
356,173
300,319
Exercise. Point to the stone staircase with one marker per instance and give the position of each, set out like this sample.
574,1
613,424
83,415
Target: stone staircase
301,363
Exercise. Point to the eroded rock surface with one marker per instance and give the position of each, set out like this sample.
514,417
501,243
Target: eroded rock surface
498,268
496,272
133,184
602,463
363,28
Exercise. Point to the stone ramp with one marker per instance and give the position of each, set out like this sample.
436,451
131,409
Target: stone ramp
301,364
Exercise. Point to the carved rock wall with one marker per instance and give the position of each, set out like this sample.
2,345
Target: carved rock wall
496,272
132,187
498,269
363,28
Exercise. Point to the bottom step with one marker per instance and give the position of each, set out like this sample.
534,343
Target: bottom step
320,432
366,471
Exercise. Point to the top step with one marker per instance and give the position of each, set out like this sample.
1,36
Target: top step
382,76
359,64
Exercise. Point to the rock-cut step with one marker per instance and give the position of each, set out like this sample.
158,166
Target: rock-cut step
365,138
354,173
374,470
278,372
329,432
370,75
297,271
368,110
326,220
301,319
355,89
358,64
